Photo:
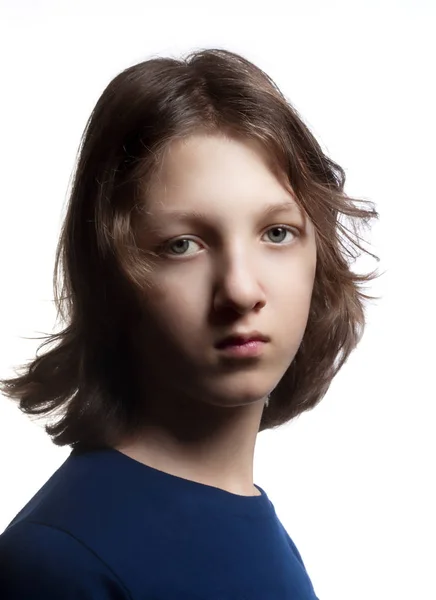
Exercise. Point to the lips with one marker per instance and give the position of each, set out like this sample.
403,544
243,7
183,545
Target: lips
240,339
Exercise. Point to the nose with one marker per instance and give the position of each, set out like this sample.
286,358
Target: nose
238,285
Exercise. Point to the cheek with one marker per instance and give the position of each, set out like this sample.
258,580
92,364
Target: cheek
294,275
175,305
293,298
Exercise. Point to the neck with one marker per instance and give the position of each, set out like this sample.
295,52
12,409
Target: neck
200,442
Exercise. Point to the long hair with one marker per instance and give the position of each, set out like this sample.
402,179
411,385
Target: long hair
85,376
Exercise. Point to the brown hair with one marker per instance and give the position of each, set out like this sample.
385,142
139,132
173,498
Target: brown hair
87,377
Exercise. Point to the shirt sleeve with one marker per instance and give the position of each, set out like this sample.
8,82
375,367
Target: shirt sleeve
44,563
298,556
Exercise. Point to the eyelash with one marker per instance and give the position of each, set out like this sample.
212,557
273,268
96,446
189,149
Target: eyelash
165,247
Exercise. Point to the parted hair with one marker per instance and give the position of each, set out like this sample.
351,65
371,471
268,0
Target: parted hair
83,377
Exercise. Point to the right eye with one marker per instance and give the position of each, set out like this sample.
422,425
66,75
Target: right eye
179,247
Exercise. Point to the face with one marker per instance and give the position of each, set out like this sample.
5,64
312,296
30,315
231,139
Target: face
232,254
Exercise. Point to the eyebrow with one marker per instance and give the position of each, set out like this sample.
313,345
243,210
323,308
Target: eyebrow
287,205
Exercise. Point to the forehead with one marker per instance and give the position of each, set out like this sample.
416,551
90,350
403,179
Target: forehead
209,170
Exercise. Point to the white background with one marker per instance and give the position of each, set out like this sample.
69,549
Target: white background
353,480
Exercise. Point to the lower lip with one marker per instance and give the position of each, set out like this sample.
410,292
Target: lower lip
253,348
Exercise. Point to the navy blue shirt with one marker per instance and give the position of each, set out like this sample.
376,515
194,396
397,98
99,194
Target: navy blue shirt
105,526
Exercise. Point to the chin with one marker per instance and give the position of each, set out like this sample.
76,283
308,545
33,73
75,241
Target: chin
239,394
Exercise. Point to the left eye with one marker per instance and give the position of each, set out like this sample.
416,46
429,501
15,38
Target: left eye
279,233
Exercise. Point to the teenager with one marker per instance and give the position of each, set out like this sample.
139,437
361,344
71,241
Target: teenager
207,295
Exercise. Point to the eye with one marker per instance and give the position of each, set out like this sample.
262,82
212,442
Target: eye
279,233
179,247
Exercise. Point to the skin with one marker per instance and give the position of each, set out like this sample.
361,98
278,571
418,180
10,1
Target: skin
235,272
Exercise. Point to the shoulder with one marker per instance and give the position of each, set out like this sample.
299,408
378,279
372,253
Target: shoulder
40,561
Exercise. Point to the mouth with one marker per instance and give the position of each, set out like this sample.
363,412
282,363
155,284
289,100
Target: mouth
241,338
243,345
